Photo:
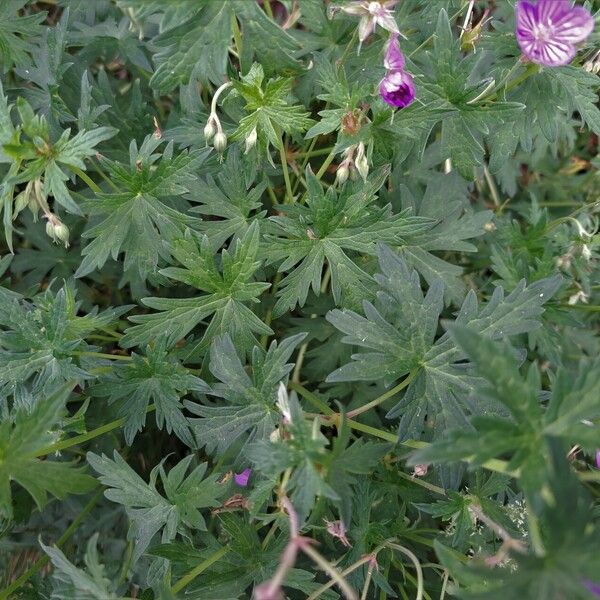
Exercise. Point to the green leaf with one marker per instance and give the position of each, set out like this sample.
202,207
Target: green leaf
229,198
150,512
157,377
269,108
398,332
335,228
15,31
21,439
195,49
44,338
71,583
249,407
136,219
227,293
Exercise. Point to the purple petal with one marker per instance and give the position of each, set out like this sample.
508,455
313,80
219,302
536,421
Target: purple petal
550,11
549,54
397,89
574,26
526,18
598,458
592,587
393,59
242,478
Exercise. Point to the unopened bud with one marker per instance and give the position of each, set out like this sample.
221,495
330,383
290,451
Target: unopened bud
586,253
342,174
251,140
220,142
61,231
210,129
50,230
361,162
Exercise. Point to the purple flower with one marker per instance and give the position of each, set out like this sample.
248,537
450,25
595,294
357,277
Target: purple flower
548,31
598,458
397,87
242,478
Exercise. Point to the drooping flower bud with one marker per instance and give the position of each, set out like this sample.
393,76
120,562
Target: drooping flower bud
361,162
251,140
61,231
342,173
210,129
220,142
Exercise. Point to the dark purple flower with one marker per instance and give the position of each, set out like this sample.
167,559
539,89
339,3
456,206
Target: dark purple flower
242,478
397,88
549,30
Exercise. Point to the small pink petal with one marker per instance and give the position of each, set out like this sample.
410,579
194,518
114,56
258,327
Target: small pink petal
598,458
242,478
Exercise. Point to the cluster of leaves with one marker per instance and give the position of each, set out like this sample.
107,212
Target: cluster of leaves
398,361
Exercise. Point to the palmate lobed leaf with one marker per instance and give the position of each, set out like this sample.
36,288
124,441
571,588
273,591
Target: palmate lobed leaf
399,331
22,438
137,219
332,228
151,512
227,293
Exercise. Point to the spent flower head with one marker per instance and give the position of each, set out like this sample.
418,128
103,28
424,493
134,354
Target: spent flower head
548,31
371,14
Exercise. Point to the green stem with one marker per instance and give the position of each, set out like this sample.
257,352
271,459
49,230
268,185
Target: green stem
85,437
268,9
310,153
326,566
380,399
312,398
85,177
101,355
104,176
325,165
416,563
186,579
15,585
286,174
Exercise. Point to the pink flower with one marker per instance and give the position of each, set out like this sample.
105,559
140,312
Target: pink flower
397,87
242,478
549,30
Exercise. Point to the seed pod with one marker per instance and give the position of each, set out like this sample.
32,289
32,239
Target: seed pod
50,230
220,142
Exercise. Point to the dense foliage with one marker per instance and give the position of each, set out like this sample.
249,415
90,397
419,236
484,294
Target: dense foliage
299,299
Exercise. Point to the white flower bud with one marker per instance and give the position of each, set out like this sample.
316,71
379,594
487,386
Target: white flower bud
361,162
220,142
251,140
342,174
50,229
586,252
61,231
210,128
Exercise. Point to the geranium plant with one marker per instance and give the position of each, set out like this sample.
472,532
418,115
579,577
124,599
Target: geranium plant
299,299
